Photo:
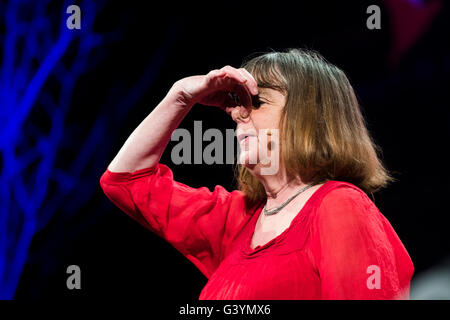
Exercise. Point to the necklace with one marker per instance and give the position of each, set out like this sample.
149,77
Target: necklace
284,204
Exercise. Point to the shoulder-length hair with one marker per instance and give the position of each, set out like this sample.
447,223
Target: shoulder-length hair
323,133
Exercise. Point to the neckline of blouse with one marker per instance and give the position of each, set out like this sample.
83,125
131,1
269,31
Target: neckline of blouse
249,251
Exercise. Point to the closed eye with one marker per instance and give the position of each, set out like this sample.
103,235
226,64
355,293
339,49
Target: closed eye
257,102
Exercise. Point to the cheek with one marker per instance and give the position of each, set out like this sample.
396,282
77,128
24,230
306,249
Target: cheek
263,119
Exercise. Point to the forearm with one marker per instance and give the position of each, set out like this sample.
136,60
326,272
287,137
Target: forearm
144,147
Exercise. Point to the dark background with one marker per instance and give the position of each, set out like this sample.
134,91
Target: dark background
404,100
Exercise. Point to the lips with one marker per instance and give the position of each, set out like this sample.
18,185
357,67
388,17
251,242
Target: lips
244,136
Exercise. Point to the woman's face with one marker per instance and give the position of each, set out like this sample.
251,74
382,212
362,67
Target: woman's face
256,146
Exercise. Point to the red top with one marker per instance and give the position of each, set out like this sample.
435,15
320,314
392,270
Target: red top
339,246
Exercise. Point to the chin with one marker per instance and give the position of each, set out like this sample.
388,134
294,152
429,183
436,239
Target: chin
248,159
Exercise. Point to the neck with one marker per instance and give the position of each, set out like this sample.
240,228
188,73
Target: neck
279,187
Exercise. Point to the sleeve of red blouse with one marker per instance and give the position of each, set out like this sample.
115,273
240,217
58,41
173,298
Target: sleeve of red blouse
357,253
196,222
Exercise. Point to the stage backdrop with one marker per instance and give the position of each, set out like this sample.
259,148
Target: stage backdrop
76,77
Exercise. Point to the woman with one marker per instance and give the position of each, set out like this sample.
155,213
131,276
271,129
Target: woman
307,230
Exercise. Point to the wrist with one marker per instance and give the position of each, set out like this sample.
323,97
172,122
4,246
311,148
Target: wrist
179,97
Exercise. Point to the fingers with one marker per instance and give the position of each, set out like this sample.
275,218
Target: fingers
243,94
235,74
237,81
244,77
215,73
246,84
241,75
251,82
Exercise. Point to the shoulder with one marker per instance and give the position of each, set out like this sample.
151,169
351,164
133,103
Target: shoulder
345,214
344,201
336,192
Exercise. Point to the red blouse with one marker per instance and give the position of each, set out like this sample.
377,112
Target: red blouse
339,246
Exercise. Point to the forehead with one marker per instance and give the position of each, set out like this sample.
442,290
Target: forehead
267,74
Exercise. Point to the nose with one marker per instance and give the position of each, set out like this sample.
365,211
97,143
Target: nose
240,114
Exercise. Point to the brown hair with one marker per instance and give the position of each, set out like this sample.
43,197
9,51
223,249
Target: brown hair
323,132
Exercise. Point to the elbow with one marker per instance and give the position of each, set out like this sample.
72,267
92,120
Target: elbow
104,183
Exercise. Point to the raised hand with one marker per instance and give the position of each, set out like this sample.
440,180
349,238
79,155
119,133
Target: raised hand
225,88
